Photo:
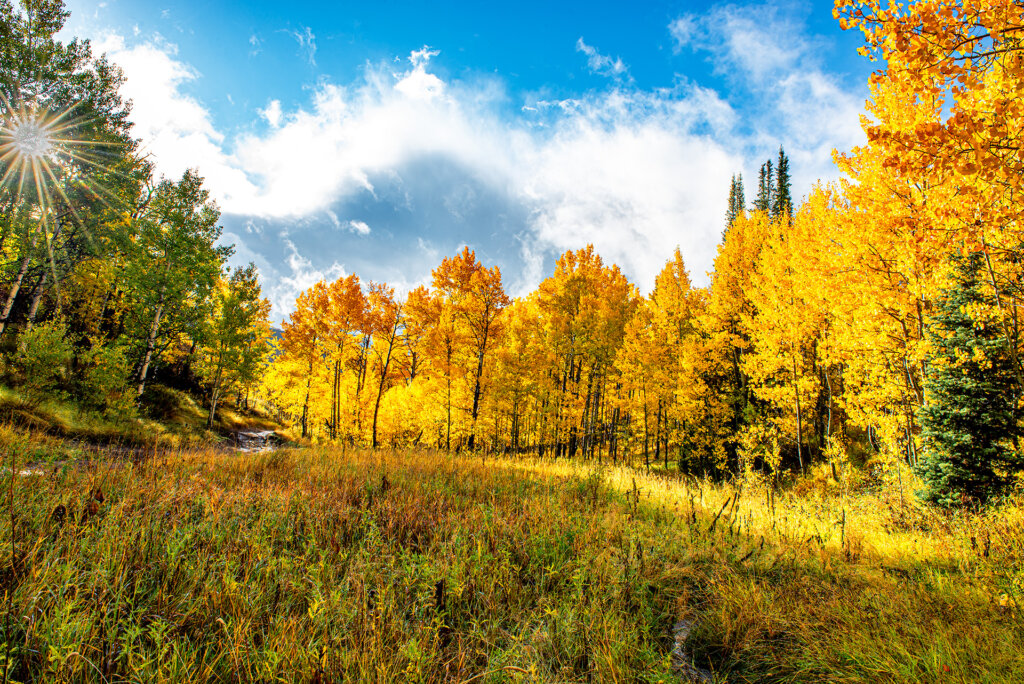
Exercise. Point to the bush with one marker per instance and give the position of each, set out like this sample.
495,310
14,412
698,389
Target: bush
104,381
43,356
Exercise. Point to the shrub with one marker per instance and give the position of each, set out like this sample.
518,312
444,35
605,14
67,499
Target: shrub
43,356
104,380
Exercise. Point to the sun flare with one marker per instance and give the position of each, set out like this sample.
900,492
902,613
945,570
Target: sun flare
31,139
29,135
43,154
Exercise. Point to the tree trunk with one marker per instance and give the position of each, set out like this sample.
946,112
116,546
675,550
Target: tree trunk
383,378
657,435
448,398
305,401
150,345
647,457
476,384
799,426
12,295
215,390
360,381
334,402
37,297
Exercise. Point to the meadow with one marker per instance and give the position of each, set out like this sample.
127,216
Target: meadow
326,564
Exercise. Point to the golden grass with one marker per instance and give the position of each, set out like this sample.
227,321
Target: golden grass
326,565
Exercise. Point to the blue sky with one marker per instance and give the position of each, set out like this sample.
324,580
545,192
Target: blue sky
378,137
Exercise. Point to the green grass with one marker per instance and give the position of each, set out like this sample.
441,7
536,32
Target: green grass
325,565
181,421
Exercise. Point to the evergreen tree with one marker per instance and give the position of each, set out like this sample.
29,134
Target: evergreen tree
968,419
782,201
737,202
765,187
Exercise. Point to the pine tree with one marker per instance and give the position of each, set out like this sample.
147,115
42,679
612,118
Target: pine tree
782,201
737,202
765,187
968,419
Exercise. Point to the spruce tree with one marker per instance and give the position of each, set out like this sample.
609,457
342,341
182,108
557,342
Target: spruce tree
736,201
765,187
967,422
782,202
741,200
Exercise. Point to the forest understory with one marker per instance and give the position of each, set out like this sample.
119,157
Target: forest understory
327,564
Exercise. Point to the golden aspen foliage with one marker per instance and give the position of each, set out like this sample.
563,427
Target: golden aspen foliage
584,308
384,321
785,320
304,379
475,298
656,364
520,379
729,306
345,313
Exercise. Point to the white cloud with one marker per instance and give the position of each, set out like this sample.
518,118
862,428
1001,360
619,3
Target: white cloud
633,190
598,63
422,56
791,99
302,275
745,38
432,252
175,128
307,43
359,227
272,113
633,171
418,84
682,31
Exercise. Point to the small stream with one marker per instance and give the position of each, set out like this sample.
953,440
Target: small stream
253,440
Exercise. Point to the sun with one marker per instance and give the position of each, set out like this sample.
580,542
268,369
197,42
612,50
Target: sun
30,139
32,152
43,154
30,135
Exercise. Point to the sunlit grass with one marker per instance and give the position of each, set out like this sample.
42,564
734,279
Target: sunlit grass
56,426
880,523
419,566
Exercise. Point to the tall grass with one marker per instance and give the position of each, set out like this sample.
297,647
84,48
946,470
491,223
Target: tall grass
324,565
174,419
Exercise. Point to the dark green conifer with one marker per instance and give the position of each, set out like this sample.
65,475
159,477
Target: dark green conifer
782,201
765,188
737,202
967,421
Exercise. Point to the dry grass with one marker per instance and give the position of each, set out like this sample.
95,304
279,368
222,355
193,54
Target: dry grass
327,565
57,425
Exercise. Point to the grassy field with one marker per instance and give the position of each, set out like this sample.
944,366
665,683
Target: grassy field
326,565
53,427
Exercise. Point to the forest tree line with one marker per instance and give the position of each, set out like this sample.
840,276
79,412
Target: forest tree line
109,276
881,314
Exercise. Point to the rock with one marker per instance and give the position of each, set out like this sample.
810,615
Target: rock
682,663
248,440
